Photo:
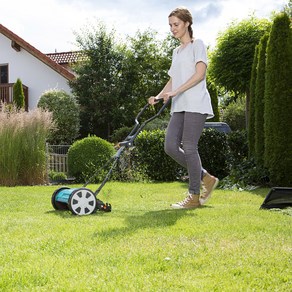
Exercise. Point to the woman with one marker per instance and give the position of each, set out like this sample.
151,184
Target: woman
190,107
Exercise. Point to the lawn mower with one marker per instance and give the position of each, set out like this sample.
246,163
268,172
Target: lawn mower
82,201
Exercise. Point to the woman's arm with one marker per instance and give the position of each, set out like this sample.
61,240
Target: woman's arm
196,78
167,88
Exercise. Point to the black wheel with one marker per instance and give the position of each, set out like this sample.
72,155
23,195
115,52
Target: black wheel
82,202
59,205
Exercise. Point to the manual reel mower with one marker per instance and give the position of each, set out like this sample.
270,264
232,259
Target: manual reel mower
83,201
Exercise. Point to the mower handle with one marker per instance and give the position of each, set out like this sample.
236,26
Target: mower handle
128,142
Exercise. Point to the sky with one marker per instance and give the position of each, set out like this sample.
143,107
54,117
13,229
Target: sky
51,25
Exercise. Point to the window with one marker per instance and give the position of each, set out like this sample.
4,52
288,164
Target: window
3,74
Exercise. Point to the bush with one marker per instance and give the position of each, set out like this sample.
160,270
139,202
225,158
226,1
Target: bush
65,112
214,152
246,174
18,94
57,176
87,157
278,105
155,164
120,134
234,115
238,146
152,162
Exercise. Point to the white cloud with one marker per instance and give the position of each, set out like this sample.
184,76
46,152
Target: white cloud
49,25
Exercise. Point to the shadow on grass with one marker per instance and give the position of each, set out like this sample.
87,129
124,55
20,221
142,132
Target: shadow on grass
149,220
66,214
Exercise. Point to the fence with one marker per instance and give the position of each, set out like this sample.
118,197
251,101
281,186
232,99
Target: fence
57,158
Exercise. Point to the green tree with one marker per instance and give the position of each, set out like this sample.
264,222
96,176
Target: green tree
278,102
65,112
98,85
259,103
231,60
288,8
214,100
251,116
18,94
147,66
115,79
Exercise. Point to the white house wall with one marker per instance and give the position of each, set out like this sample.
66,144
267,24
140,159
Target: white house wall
32,72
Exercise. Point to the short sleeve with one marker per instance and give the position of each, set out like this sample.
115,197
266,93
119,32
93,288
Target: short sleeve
200,51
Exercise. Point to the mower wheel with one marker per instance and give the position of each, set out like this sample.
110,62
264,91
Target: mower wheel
59,205
82,201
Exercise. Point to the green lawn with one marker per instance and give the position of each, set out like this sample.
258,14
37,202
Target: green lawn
143,245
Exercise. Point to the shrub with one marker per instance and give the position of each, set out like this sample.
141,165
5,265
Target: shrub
87,157
246,174
214,152
238,147
57,176
18,94
152,162
65,112
120,134
278,105
234,115
155,164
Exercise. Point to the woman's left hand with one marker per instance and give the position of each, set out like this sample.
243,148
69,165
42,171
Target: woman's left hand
167,95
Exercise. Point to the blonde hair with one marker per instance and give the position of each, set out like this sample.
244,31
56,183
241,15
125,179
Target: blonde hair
185,15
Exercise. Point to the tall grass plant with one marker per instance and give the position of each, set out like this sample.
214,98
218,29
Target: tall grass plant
22,146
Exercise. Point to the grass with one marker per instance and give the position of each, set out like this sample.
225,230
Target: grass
22,136
143,245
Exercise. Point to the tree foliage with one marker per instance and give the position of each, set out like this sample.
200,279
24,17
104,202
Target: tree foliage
251,116
259,103
231,61
288,8
278,102
115,79
18,94
65,111
98,86
214,100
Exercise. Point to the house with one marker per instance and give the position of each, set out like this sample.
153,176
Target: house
38,72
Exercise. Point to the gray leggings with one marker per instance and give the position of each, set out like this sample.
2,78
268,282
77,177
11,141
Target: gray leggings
181,144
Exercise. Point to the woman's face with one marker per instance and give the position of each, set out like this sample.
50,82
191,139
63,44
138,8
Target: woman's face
178,27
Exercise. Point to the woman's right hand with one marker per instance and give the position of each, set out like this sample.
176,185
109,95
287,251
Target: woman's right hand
153,100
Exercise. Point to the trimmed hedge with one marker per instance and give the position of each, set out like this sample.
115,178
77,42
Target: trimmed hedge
87,157
154,164
151,160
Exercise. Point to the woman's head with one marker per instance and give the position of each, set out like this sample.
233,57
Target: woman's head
184,15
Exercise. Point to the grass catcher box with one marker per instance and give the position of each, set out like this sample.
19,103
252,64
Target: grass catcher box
278,198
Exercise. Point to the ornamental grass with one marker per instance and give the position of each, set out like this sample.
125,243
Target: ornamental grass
22,146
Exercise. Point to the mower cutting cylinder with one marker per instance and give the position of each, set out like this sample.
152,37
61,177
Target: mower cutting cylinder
80,201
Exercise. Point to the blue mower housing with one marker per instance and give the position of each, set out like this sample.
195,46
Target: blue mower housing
80,201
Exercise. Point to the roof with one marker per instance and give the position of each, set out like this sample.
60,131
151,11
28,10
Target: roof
19,43
66,57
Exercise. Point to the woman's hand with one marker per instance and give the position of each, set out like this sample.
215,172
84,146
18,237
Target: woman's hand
167,95
153,100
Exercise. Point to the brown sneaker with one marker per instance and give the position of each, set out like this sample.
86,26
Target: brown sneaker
190,202
209,184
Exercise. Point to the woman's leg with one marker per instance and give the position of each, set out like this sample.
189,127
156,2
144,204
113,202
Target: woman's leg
193,127
173,138
186,128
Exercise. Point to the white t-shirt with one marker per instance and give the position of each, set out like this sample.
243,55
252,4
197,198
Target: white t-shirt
183,66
